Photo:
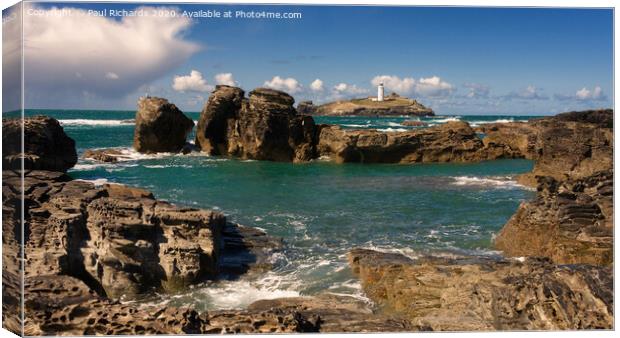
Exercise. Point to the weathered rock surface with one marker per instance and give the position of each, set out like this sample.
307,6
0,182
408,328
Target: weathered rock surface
264,126
485,294
333,313
118,239
568,145
306,108
63,305
160,126
570,222
110,155
449,142
46,145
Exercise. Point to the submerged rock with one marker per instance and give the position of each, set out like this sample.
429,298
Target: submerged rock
570,222
264,126
481,294
160,126
46,146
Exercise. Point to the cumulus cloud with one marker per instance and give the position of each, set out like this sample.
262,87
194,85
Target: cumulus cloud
288,85
432,86
225,79
194,82
110,76
349,89
584,94
316,85
476,90
529,93
132,51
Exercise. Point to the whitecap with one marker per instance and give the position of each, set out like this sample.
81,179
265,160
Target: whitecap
392,130
505,182
89,122
97,182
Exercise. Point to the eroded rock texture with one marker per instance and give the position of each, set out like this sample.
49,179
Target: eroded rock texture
483,294
63,305
46,146
160,126
118,239
449,142
569,222
264,126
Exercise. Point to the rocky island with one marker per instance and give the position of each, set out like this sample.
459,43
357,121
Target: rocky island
392,105
88,248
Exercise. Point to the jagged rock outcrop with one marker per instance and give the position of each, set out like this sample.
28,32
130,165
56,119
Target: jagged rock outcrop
63,305
568,145
264,126
570,222
334,313
482,294
119,240
449,142
160,126
46,145
306,108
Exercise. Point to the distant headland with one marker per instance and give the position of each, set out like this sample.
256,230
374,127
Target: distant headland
391,105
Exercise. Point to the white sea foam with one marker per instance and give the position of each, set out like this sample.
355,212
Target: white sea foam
356,125
394,124
477,123
505,182
447,119
392,130
96,182
89,122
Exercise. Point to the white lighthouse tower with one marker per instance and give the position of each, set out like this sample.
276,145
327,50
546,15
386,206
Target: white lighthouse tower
380,92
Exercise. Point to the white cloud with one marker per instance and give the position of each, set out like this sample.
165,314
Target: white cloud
529,93
288,85
404,86
586,94
433,86
194,82
111,76
141,49
225,79
477,90
349,89
316,85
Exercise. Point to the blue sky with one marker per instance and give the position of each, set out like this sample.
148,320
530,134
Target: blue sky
455,60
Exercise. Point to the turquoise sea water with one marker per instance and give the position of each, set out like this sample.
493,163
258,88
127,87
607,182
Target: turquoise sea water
320,209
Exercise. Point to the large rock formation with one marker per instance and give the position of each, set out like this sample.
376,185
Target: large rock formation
568,145
569,222
118,239
46,146
449,142
264,126
160,126
484,294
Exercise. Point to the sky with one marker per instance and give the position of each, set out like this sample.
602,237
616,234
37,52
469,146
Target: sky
495,61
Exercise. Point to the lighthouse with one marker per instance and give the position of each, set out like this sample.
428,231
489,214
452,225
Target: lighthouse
380,92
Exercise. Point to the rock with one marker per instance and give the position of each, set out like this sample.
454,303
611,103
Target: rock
334,313
570,222
119,240
103,155
306,108
46,146
263,127
569,145
160,126
63,305
246,250
482,294
449,142
414,123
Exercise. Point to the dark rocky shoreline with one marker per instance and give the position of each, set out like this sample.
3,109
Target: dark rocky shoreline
86,245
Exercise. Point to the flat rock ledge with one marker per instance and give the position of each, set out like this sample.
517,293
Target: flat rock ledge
482,294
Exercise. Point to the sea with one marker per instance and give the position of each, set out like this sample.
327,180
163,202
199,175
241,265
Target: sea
320,209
